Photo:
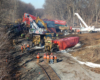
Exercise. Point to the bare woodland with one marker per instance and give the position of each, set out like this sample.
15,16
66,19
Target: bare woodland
10,10
65,9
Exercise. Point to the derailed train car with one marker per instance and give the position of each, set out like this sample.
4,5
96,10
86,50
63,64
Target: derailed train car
15,30
60,44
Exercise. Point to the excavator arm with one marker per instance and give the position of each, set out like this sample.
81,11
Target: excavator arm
44,24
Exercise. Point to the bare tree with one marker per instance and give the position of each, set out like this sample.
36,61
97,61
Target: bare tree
64,9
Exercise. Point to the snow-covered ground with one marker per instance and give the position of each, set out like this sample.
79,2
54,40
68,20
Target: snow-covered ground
90,64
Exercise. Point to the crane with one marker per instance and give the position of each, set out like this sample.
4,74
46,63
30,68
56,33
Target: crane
86,28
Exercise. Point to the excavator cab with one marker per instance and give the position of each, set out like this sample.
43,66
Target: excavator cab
49,45
40,20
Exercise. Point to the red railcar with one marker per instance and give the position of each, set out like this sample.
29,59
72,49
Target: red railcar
66,42
61,22
26,18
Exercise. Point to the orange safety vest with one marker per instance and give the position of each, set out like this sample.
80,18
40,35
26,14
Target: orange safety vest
51,57
44,57
38,56
78,30
47,56
55,57
21,47
70,28
28,45
24,46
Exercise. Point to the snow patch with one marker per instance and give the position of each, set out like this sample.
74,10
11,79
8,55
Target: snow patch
77,45
90,64
37,47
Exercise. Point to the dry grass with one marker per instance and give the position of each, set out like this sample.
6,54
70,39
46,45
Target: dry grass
89,54
97,70
4,53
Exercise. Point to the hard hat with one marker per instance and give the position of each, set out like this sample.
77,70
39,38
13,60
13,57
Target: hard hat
51,53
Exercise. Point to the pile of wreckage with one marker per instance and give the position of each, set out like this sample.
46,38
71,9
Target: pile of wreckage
44,32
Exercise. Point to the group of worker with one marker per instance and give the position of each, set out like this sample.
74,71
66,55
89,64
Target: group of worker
23,47
48,58
77,31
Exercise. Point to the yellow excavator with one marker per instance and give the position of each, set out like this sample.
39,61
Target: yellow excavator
44,24
37,38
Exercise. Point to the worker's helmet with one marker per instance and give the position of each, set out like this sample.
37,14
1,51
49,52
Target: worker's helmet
51,53
44,53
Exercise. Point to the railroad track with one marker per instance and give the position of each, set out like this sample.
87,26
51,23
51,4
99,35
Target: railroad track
50,73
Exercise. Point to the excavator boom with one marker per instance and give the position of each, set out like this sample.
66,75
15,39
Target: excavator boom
79,17
44,24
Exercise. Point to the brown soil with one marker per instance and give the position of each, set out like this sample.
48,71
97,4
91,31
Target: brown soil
86,53
8,70
97,70
90,50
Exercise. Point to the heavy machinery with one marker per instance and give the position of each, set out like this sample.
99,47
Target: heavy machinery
33,27
41,21
37,39
53,45
86,28
60,26
66,30
38,29
49,45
